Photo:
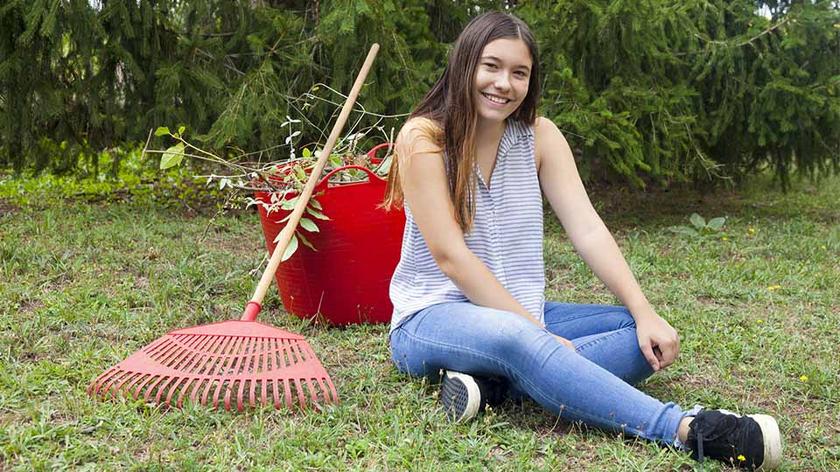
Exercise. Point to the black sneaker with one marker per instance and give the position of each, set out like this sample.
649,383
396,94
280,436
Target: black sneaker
752,441
464,396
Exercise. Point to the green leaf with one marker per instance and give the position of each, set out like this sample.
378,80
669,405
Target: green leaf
162,131
308,225
697,221
181,129
305,241
172,156
290,249
315,204
317,214
684,230
306,152
385,167
716,223
335,160
289,204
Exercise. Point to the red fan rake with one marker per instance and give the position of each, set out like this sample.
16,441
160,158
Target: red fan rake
236,362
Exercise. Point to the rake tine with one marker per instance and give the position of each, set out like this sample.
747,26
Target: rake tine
266,370
279,354
324,389
252,390
117,374
142,385
190,351
174,388
93,388
288,393
296,354
172,352
229,360
228,390
219,357
154,346
207,387
277,404
160,349
300,395
180,402
128,386
152,387
162,388
314,396
195,390
209,356
239,364
189,364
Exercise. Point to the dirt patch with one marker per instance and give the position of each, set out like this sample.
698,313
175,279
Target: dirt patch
7,209
30,306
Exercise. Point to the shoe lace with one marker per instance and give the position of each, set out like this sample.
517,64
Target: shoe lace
699,436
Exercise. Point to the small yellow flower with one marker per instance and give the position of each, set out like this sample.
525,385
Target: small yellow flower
741,458
822,247
773,288
751,230
803,378
759,320
725,238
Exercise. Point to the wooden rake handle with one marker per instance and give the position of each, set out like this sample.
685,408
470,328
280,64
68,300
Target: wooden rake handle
252,309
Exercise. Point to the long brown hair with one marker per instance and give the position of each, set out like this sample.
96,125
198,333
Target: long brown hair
449,105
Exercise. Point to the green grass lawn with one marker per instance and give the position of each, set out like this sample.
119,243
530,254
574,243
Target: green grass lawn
83,285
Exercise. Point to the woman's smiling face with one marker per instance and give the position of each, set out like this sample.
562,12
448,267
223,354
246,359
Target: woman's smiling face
501,78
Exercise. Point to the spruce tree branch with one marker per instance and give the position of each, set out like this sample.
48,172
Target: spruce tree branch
731,44
228,64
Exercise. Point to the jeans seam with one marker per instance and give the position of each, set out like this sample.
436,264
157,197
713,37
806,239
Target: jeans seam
586,315
602,338
561,407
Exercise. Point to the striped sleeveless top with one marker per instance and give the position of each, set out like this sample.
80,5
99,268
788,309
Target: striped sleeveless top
507,235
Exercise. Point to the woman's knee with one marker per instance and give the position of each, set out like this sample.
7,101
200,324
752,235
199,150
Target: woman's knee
627,320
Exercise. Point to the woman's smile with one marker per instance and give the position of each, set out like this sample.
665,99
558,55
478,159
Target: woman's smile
496,100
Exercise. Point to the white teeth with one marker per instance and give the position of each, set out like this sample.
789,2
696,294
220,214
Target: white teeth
495,99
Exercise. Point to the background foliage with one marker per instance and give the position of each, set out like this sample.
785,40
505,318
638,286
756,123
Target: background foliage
651,90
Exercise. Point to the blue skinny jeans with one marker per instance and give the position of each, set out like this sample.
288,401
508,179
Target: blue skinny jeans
593,385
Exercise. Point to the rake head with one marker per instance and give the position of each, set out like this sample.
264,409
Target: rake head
231,363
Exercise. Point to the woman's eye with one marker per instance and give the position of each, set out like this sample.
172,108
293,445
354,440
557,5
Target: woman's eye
490,65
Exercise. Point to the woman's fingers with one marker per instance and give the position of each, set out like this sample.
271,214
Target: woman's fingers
647,350
669,351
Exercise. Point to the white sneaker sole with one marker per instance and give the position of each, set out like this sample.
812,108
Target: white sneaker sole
460,389
772,441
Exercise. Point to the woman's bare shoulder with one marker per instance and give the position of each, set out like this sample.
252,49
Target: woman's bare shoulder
543,126
419,134
420,126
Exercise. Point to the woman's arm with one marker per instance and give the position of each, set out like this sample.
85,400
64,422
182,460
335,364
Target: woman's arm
426,191
564,190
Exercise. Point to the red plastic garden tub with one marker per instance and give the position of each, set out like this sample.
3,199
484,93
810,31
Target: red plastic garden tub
346,279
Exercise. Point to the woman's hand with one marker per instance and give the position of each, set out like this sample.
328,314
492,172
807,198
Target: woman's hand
659,342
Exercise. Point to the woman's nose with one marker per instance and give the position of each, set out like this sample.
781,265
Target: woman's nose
502,81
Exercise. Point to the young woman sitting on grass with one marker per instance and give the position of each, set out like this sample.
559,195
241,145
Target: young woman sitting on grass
473,164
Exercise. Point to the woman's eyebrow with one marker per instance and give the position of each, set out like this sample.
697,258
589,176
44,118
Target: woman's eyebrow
494,58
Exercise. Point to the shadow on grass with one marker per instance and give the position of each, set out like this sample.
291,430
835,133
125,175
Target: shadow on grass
623,208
